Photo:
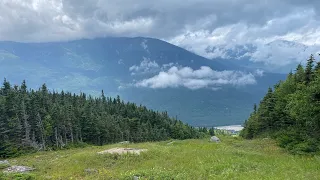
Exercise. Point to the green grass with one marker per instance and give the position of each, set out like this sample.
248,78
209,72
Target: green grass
3,166
233,158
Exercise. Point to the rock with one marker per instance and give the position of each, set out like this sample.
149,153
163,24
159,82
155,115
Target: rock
122,151
170,143
215,139
5,162
124,142
135,178
18,169
90,171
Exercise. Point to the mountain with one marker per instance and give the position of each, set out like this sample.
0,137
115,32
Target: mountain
279,56
143,70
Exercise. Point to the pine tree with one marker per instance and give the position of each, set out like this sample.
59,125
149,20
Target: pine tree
211,132
254,108
309,70
300,74
291,112
41,120
317,68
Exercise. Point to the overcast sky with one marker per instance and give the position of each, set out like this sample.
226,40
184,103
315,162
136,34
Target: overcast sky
193,24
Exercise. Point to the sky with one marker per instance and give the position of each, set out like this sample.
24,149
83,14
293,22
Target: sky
207,27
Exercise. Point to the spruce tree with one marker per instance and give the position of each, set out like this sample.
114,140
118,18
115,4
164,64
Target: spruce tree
309,70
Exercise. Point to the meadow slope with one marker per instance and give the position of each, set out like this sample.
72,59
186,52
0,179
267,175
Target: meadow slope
233,158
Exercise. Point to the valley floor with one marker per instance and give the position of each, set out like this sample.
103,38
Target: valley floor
233,158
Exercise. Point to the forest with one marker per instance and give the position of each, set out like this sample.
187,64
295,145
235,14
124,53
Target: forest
38,120
290,111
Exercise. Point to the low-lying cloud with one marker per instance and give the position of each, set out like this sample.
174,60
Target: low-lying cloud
189,78
145,66
278,42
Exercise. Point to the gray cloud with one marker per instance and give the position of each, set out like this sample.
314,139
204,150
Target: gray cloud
204,77
195,25
163,19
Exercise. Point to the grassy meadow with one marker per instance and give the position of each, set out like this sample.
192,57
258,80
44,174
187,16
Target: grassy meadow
233,158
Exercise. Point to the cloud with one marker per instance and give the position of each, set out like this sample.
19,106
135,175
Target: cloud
220,25
259,72
204,77
146,66
144,45
120,61
268,42
51,20
282,53
165,67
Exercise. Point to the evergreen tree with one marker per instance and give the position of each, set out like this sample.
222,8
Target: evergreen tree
42,120
291,112
309,70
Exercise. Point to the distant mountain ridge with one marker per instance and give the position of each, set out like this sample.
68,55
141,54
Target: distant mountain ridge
278,56
117,64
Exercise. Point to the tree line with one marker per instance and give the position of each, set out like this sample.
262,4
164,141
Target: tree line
290,111
33,120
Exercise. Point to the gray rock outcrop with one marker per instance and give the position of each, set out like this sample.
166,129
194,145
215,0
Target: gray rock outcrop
215,139
18,169
5,162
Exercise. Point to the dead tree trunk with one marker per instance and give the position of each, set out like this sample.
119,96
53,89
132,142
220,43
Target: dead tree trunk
27,128
41,128
71,133
56,136
65,134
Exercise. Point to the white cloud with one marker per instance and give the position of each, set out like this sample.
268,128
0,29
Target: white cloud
259,72
204,77
144,45
282,53
195,25
270,39
120,61
146,66
168,66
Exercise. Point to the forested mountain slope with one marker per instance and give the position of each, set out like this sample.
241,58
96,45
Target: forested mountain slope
290,112
41,120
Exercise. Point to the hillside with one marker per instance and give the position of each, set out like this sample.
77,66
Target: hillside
233,158
117,65
40,120
290,111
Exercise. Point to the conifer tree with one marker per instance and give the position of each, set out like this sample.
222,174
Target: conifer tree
309,70
290,113
42,120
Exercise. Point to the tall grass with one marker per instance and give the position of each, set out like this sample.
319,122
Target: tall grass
233,158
